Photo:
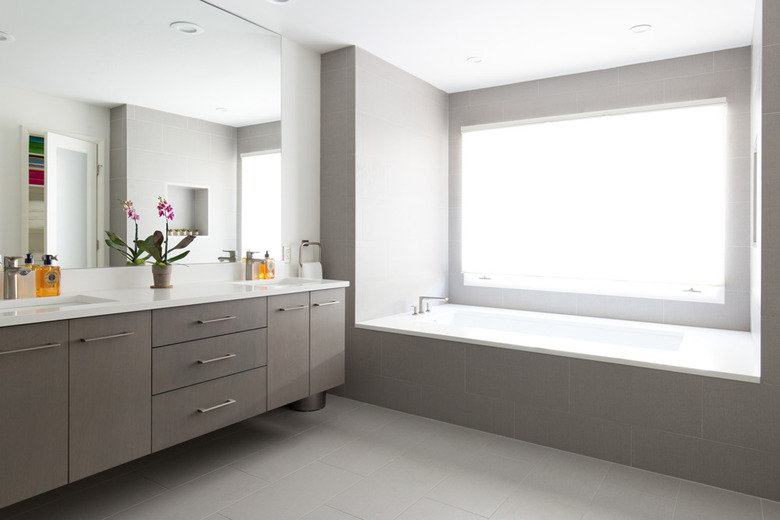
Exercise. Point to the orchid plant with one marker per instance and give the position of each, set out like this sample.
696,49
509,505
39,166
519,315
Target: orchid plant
133,254
156,245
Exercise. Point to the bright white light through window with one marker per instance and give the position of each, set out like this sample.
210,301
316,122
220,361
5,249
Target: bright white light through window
261,203
635,197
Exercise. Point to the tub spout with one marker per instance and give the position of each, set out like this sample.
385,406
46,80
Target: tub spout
427,304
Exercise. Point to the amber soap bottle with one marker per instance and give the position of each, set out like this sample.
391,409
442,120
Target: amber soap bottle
47,278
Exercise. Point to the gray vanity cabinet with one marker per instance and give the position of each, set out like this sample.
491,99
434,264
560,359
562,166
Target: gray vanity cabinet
208,368
33,410
305,345
288,348
327,340
110,402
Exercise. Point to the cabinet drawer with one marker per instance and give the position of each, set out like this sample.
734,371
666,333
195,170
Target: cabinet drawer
198,409
179,324
185,364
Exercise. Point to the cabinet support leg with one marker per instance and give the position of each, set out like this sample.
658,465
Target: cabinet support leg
310,404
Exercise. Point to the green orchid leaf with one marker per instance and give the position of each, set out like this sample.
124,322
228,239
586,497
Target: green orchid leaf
178,257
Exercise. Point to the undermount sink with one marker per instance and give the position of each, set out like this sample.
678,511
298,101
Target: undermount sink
278,284
47,304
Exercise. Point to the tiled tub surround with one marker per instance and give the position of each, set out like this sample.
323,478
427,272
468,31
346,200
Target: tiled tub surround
723,74
712,352
715,431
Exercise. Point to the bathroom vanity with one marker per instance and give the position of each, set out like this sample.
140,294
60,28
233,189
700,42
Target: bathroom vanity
92,381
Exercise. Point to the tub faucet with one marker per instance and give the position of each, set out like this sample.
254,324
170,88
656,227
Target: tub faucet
250,264
10,270
428,305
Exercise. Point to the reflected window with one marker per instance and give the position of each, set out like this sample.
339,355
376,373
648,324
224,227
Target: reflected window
261,202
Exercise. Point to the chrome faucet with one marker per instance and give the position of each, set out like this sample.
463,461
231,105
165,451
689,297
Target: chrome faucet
231,256
428,307
10,270
250,264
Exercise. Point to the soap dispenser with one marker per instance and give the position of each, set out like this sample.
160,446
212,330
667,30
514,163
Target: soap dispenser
27,283
270,266
47,277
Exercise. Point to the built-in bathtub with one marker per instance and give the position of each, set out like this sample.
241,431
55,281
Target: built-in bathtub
693,350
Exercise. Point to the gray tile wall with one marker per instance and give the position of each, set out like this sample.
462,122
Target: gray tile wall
157,148
719,432
769,151
711,75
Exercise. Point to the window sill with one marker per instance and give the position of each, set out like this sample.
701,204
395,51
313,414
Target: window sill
700,294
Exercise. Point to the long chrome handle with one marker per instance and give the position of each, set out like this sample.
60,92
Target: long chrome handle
112,336
29,349
215,320
220,358
324,304
226,403
299,307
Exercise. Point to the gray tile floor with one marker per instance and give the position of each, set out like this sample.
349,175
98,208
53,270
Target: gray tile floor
355,461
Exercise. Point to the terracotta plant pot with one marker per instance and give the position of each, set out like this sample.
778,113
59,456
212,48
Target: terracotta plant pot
162,276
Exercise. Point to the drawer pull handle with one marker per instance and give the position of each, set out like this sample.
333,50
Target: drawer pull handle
297,308
29,349
325,304
112,336
220,358
226,403
215,320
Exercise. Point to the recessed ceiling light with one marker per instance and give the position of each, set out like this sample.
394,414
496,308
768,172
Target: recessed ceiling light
474,59
187,28
280,2
643,27
221,109
6,38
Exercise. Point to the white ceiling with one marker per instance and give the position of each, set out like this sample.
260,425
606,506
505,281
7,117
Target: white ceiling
518,39
111,52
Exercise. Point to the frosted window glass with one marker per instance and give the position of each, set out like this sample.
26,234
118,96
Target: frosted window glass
636,197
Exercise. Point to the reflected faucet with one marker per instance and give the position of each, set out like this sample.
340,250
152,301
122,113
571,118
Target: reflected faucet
428,307
231,256
10,271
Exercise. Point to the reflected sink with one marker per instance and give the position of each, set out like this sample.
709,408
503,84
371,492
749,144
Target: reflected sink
47,304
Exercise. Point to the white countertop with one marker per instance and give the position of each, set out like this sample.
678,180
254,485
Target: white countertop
114,301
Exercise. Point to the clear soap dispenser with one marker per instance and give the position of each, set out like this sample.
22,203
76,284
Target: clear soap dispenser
27,283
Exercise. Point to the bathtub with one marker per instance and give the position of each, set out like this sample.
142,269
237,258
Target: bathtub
693,350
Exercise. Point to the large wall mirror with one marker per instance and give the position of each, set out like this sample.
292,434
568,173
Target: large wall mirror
102,100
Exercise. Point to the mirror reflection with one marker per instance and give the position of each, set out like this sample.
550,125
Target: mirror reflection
102,100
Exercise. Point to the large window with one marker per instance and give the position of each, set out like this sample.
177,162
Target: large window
625,202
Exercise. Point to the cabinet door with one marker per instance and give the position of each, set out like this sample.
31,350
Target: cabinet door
327,340
288,348
33,410
110,391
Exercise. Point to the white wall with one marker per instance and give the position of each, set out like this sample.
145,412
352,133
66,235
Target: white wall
37,112
300,149
400,187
